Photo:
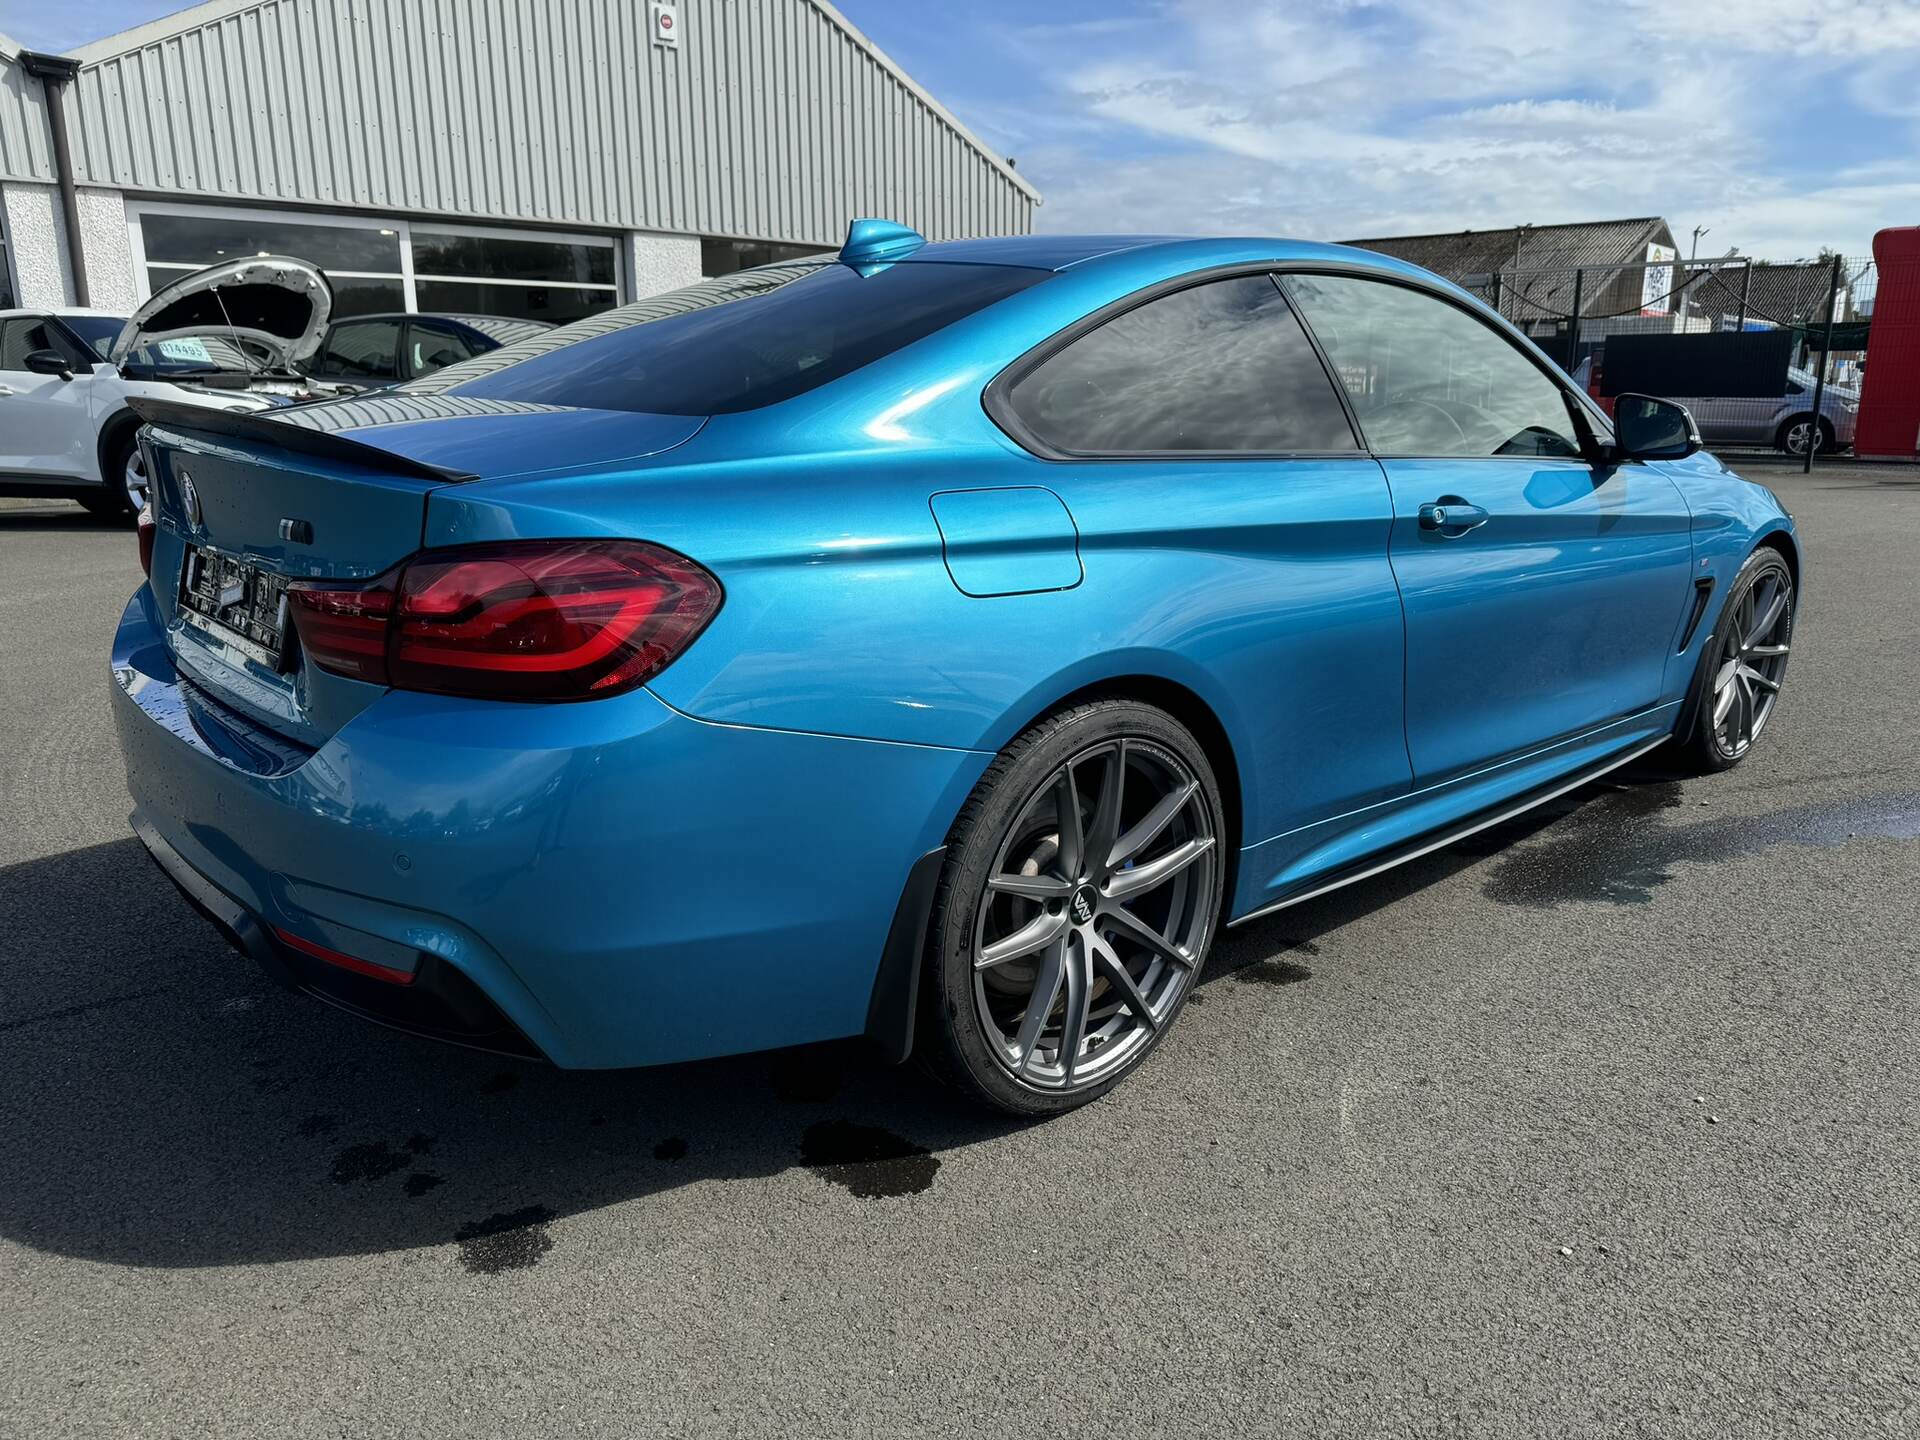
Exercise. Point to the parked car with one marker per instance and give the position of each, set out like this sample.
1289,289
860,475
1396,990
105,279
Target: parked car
1786,423
365,351
940,643
229,338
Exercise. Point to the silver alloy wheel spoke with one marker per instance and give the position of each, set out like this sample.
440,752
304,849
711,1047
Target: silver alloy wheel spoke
1106,813
1135,928
1043,929
1073,840
1053,971
1149,828
1073,1028
1033,887
1157,871
1118,976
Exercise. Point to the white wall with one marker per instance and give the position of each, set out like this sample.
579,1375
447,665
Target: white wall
658,263
37,231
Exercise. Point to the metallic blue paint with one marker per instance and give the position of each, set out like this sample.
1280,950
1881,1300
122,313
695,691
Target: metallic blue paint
711,864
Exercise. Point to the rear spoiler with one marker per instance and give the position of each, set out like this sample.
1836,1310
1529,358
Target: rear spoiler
259,427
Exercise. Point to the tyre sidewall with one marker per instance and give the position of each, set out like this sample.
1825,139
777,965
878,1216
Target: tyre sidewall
997,802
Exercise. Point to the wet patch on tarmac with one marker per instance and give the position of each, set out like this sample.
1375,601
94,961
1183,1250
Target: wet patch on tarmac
1273,972
512,1241
317,1125
421,1181
1612,855
671,1148
868,1162
499,1083
366,1163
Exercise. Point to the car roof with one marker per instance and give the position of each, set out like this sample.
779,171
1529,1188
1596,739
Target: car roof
62,311
1171,252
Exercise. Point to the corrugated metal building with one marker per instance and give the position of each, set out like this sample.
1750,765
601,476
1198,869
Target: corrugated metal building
536,158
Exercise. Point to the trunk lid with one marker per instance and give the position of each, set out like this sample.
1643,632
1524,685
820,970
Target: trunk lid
246,502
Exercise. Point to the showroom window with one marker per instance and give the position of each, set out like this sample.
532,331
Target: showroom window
377,265
722,257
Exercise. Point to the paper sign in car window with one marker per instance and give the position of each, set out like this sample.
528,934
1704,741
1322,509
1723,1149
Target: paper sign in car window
194,351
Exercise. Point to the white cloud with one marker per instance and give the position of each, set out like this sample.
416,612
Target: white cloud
1330,119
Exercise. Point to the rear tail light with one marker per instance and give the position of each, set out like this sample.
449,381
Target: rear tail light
525,620
143,526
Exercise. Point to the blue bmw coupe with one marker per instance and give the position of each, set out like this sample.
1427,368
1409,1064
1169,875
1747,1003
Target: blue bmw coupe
936,642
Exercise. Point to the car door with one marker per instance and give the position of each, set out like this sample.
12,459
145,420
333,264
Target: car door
46,424
1543,596
1225,512
433,345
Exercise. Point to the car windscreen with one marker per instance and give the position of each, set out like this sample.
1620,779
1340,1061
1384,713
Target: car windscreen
176,358
736,343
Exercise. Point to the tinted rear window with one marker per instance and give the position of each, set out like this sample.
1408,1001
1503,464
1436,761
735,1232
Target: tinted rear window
736,343
1222,368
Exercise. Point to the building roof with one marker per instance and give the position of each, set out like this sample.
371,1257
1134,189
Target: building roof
774,119
1461,253
1793,294
9,47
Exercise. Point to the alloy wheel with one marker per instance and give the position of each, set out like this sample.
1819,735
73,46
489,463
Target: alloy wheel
134,478
1753,662
1096,911
1802,433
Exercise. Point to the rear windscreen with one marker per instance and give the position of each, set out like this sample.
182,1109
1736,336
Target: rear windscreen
744,340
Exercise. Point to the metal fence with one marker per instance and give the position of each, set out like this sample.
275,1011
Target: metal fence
1769,357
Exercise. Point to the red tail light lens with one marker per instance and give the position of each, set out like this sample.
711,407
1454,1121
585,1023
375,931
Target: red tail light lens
344,631
527,620
144,529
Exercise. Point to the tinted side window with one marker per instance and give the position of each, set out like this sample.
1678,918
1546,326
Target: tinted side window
21,336
362,350
1222,366
432,347
1427,378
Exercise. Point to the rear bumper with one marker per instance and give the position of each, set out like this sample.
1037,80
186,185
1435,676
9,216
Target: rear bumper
605,884
438,1001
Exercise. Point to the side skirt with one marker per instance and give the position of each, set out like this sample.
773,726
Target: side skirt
1439,840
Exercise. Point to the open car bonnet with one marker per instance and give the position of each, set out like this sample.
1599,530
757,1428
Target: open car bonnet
264,303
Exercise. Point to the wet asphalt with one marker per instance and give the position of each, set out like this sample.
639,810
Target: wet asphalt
1604,1123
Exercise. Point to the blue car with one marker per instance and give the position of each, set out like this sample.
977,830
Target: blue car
933,642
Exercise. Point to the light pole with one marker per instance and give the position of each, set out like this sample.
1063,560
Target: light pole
1686,285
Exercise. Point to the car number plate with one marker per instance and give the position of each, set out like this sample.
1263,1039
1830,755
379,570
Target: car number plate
235,602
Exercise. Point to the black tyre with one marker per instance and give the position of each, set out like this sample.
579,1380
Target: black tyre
1742,666
1082,889
1795,431
123,477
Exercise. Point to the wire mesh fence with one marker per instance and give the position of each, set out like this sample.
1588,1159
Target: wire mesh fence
1768,357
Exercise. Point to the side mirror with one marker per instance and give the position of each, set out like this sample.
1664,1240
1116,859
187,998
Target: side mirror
1646,428
49,362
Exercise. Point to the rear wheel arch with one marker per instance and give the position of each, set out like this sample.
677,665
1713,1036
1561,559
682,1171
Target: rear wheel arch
1193,711
118,427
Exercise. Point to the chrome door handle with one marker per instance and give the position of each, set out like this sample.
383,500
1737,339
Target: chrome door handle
6,390
1452,517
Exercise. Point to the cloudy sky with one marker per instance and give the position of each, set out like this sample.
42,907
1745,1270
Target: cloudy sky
1784,125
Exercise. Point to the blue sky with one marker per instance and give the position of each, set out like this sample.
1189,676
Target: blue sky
1784,125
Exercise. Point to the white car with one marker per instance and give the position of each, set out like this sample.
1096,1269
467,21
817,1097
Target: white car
232,337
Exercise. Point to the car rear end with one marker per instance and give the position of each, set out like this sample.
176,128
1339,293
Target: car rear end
430,784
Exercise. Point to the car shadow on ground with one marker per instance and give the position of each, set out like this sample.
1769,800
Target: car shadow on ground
56,516
164,1104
